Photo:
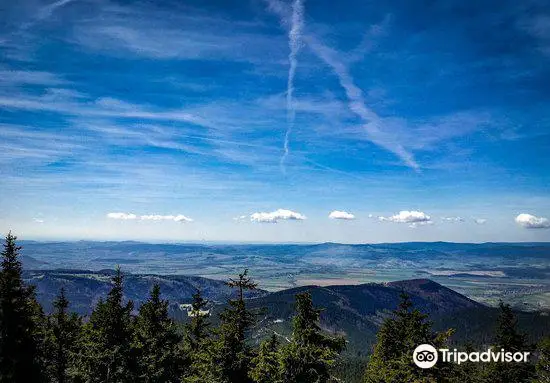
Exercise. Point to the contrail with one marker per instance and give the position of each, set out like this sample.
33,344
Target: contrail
356,102
45,12
294,43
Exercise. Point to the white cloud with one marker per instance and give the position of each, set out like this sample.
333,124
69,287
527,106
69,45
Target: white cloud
336,214
38,220
102,107
529,221
157,217
539,27
423,223
123,216
19,77
277,215
452,219
480,221
405,216
149,217
147,30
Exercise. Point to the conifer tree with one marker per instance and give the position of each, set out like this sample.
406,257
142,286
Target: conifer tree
467,372
62,341
311,354
198,330
156,342
198,344
543,363
108,356
392,359
233,354
21,332
267,366
509,338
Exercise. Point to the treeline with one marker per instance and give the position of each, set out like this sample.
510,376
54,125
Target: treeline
115,346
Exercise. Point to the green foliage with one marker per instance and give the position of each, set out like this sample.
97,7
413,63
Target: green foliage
198,344
63,331
156,342
468,372
198,330
509,338
21,322
232,353
310,354
507,335
397,338
350,369
543,363
106,350
115,346
267,366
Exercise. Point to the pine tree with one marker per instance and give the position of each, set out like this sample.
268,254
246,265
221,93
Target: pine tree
21,333
267,366
233,354
198,330
543,363
311,354
198,344
397,338
467,372
63,332
507,335
509,338
108,356
156,341
62,339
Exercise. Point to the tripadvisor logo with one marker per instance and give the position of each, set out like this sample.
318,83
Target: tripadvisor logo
426,356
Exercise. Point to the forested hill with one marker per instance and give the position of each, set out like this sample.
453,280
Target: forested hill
84,288
354,310
358,311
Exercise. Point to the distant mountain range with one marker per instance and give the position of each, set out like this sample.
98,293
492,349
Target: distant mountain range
518,273
354,310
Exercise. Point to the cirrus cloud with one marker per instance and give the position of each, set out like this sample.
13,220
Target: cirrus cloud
337,214
277,215
452,219
529,221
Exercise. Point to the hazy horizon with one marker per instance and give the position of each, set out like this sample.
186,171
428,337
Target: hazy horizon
221,242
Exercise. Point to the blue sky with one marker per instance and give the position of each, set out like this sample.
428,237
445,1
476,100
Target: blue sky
254,120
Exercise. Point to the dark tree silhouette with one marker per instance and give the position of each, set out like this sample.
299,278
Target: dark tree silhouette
311,354
107,353
21,334
63,335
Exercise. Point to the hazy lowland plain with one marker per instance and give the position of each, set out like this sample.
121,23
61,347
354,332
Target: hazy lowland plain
518,273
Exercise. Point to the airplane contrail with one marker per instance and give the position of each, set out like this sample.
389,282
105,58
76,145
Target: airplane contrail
44,13
372,122
294,43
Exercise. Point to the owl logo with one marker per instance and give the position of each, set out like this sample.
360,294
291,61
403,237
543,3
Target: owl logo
425,356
